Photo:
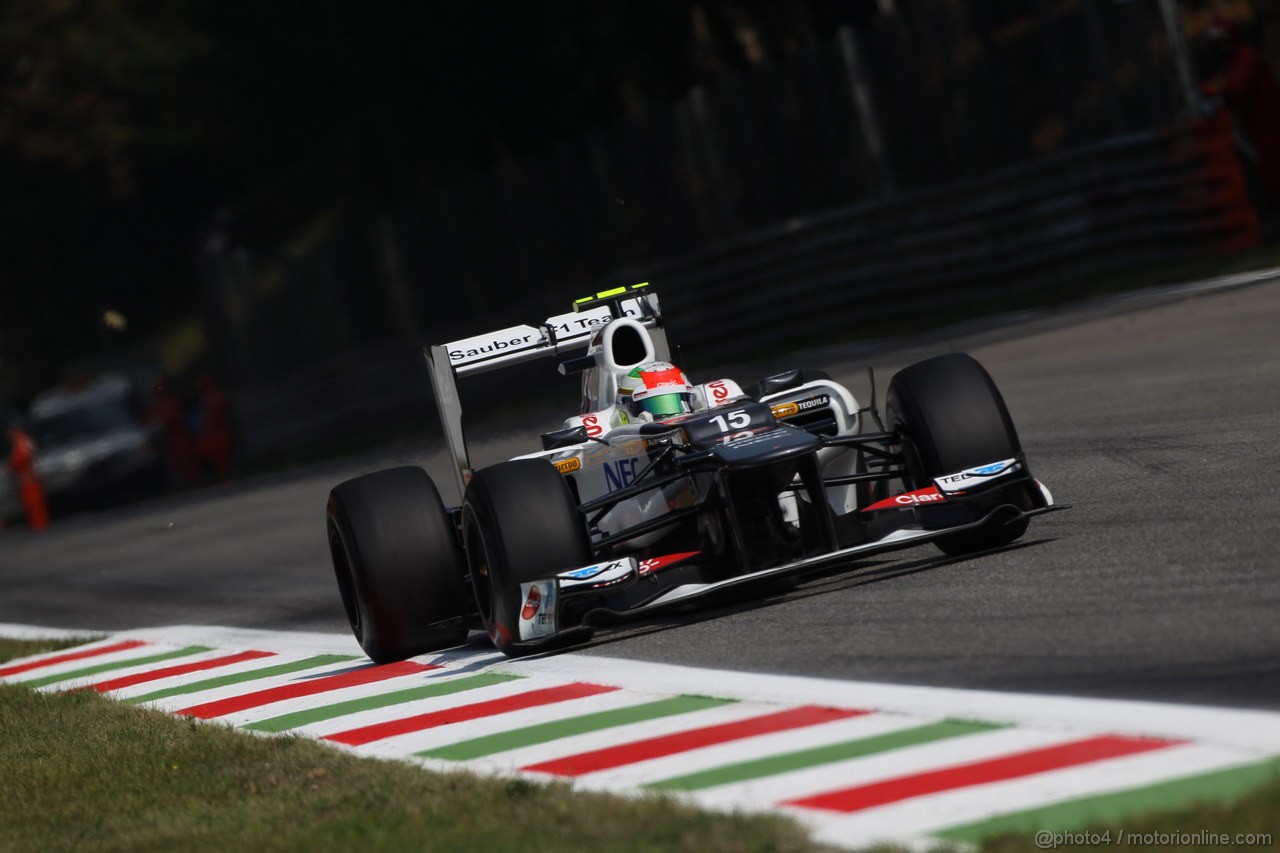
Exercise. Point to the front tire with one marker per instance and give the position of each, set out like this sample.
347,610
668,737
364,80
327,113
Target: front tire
951,417
520,523
398,563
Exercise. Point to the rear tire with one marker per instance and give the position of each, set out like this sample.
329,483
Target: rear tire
520,523
951,416
398,563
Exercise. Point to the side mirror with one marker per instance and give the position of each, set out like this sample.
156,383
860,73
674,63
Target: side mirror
567,437
780,382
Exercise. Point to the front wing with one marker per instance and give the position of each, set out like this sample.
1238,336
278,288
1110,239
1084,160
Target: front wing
554,591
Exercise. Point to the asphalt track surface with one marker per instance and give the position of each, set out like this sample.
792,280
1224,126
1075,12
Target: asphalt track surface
1157,418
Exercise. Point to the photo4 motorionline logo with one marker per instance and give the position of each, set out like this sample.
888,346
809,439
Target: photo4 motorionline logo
1047,840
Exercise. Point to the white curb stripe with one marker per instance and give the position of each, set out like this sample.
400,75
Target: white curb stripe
148,687
628,733
328,697
766,792
114,658
502,723
230,691
67,666
761,746
391,713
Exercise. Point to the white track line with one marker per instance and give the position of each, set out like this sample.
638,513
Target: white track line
35,632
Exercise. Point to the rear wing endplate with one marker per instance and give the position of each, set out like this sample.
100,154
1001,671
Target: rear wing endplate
555,337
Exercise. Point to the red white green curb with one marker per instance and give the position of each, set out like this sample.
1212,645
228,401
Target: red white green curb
855,762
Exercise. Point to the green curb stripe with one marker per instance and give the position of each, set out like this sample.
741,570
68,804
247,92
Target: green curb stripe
122,664
775,764
545,732
1219,786
284,722
240,677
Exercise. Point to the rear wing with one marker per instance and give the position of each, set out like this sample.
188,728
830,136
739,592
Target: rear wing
556,337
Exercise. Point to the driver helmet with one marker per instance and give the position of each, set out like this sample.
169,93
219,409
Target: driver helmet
657,390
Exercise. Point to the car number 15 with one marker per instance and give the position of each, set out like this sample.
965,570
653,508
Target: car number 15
735,420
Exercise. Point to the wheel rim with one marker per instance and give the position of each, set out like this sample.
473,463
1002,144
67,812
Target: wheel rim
346,582
478,568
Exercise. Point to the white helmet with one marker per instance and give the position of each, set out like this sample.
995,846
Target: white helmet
658,389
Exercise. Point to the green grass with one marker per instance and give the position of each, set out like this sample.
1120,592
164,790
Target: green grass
10,649
86,773
1256,812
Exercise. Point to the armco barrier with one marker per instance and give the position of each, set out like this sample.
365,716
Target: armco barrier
1124,203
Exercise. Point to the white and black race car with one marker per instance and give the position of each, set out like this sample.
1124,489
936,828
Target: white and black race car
618,516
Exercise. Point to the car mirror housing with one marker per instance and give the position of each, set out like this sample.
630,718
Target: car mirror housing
566,437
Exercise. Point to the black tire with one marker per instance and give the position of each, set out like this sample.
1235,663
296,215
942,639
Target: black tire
951,417
520,523
398,563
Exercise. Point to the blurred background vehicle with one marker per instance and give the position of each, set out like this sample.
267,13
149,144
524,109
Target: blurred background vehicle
94,446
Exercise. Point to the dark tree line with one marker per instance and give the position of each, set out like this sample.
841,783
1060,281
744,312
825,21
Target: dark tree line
127,126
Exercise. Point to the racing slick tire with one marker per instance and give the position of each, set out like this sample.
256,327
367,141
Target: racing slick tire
520,523
398,563
951,417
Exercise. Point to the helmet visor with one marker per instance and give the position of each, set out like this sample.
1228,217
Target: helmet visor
666,405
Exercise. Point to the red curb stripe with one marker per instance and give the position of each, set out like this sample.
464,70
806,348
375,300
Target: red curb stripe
1001,769
168,671
70,656
306,687
475,711
658,747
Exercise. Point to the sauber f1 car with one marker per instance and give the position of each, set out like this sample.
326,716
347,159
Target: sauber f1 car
623,513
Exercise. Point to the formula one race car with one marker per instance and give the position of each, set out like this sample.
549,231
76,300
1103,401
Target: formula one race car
660,493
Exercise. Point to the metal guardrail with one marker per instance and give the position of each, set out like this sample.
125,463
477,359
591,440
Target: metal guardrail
1124,203
1128,202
